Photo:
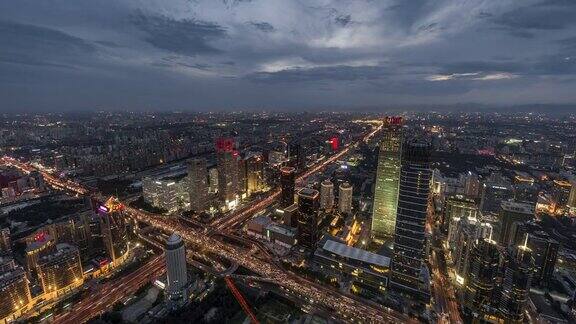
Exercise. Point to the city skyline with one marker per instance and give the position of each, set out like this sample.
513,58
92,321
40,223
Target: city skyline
285,55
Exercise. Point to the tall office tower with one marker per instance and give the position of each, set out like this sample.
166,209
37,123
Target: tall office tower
516,281
242,177
14,294
481,278
572,199
5,241
198,185
308,205
387,181
296,156
410,235
545,253
227,162
345,198
513,215
287,184
60,269
289,218
114,230
493,194
254,173
471,185
176,267
326,195
213,179
460,207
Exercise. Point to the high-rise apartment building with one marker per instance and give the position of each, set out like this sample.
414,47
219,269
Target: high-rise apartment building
410,236
308,205
14,294
326,195
198,185
61,269
287,184
387,180
345,198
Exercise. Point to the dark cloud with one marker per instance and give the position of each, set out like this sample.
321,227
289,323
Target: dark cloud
185,54
547,15
39,46
186,37
343,20
262,26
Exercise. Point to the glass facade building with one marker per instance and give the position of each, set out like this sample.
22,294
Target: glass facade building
387,183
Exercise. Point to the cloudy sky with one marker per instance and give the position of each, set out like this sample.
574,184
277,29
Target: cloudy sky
284,54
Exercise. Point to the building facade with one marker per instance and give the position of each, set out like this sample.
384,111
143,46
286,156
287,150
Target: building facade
387,182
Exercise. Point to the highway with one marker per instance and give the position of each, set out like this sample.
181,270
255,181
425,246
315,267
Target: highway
106,295
343,306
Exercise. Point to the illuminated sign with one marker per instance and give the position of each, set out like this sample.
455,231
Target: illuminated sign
103,209
393,120
224,144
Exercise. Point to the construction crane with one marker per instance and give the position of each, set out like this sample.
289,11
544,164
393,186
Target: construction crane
238,295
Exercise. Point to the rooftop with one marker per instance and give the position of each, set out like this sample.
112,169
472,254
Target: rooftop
356,254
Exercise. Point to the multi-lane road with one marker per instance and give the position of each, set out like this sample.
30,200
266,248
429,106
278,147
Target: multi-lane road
106,295
344,307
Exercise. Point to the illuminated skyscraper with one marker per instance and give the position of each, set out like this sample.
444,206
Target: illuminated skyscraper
176,267
296,155
198,185
518,272
387,180
345,198
287,184
481,278
254,173
545,253
326,195
410,237
113,229
308,205
227,161
61,269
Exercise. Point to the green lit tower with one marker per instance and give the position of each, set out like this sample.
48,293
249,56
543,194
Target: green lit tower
387,180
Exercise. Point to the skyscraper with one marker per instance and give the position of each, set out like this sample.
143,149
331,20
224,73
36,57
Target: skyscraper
481,278
345,198
308,204
516,281
254,173
197,185
545,253
410,238
512,215
296,155
176,267
287,184
326,195
113,229
387,180
227,171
